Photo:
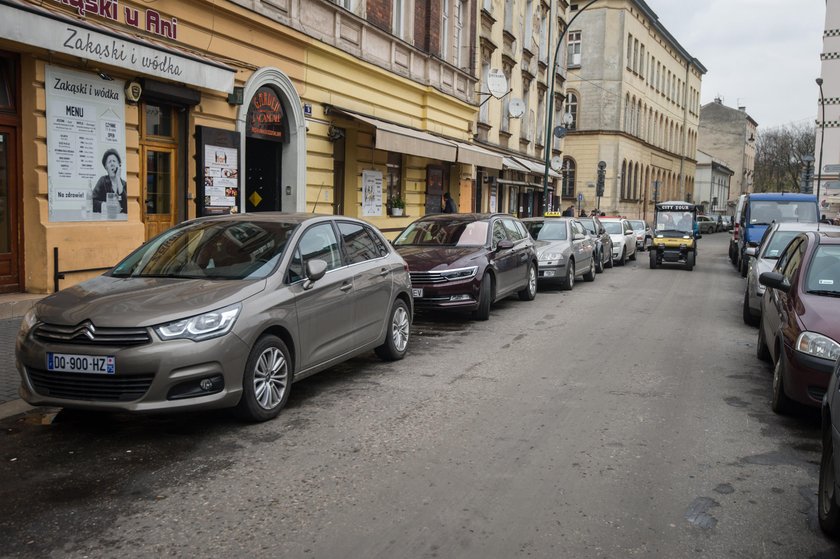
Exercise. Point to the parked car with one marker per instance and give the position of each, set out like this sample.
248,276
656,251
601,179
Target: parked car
565,250
762,209
467,262
800,319
706,224
623,239
643,232
763,259
828,493
725,223
219,312
734,248
603,242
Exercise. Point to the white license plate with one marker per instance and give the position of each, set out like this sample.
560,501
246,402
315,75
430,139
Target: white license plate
72,363
548,273
417,292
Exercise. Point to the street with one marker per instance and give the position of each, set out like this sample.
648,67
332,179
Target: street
626,418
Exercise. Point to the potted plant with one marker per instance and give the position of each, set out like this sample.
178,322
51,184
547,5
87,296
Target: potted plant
397,206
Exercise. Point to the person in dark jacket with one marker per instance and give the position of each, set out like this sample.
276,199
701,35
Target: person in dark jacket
449,205
570,211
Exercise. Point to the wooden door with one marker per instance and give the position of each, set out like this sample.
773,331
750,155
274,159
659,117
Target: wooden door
9,248
158,196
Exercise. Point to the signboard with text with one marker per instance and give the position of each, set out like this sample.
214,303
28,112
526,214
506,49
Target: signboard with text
217,179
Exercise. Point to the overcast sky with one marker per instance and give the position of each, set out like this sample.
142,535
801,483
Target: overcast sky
762,54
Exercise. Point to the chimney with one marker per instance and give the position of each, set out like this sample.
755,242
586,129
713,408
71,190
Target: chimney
743,109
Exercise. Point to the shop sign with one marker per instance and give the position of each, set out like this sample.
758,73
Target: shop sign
265,116
151,21
85,147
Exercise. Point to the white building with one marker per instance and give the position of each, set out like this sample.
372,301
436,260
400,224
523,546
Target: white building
828,114
712,182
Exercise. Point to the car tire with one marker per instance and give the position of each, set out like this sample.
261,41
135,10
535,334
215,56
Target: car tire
609,263
633,256
781,403
267,380
590,275
398,334
485,298
569,283
828,510
653,263
744,266
762,352
689,261
749,318
529,291
599,263
623,259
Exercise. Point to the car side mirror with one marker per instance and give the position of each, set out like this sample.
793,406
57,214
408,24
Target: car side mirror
315,270
504,245
774,280
751,251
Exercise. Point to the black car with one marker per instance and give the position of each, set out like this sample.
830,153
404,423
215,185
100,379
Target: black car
468,261
603,242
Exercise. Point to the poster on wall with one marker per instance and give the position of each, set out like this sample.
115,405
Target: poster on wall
85,147
218,189
371,193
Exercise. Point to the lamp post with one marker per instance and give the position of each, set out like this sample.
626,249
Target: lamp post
550,112
822,137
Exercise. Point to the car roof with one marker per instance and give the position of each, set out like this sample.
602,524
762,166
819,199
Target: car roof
796,226
828,237
464,217
778,196
296,218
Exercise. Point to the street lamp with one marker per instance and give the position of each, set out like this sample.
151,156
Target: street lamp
550,112
822,137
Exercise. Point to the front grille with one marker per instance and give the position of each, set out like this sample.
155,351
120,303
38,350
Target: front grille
418,278
88,334
107,388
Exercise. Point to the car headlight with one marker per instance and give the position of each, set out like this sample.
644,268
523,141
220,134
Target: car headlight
202,327
29,320
818,346
548,256
460,273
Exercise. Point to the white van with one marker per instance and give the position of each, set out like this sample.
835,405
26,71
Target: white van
734,253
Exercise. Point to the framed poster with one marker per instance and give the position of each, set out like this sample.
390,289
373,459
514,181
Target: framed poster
371,193
217,176
85,147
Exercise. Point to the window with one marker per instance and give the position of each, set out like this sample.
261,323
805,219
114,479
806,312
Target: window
359,246
487,6
543,36
541,118
317,242
508,15
629,52
460,11
572,109
346,4
635,55
484,109
514,234
398,23
394,168
8,78
574,48
444,30
569,169
642,63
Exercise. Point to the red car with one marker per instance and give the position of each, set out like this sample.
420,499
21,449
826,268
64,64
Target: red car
800,319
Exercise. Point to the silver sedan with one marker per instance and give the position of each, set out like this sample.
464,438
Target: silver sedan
564,249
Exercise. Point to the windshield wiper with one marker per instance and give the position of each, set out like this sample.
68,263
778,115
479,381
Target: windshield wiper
826,292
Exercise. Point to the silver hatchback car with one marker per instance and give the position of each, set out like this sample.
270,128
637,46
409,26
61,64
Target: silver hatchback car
219,312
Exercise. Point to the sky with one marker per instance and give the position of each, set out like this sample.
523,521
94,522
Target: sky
762,54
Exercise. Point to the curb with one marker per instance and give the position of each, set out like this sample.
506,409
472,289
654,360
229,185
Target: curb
15,407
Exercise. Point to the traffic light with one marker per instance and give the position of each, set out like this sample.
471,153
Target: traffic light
602,175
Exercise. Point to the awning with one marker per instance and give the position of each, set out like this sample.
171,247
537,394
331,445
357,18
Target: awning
401,139
513,164
476,155
537,168
35,26
515,183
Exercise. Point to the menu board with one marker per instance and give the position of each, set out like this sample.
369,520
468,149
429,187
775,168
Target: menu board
85,146
371,193
217,182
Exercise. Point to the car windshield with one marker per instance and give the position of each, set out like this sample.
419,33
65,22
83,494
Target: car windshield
547,230
681,221
767,212
613,227
637,225
212,249
824,271
588,224
436,232
777,243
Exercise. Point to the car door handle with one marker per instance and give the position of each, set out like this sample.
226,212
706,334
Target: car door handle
384,272
523,256
346,287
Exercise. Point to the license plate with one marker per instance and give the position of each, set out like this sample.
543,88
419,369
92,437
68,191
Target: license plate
417,292
72,363
548,273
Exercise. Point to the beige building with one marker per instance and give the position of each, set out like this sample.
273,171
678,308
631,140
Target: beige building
518,39
634,95
729,134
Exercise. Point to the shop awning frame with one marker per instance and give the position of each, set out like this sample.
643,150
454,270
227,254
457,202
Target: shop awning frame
476,155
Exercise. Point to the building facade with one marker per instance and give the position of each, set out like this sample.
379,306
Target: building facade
729,134
120,120
633,93
828,115
712,184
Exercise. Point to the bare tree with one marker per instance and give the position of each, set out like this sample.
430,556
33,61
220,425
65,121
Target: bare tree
778,157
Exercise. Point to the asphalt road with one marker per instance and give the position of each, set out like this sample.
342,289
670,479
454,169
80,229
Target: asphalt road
628,418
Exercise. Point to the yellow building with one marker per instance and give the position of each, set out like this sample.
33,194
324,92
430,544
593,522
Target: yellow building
119,120
633,93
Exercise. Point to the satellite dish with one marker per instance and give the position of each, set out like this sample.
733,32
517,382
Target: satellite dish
560,131
556,163
516,108
497,83
568,119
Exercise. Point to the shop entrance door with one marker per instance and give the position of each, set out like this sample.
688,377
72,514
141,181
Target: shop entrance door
262,181
9,257
158,190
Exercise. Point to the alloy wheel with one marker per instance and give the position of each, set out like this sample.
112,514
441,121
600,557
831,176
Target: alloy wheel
271,377
400,329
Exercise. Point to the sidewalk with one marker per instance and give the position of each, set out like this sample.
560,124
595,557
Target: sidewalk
12,307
